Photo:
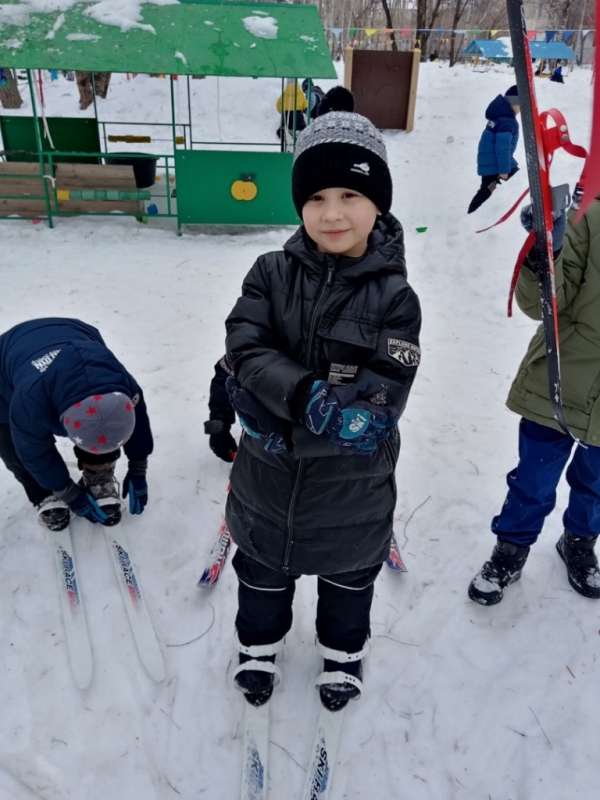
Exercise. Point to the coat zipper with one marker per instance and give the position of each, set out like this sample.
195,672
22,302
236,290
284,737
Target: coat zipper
290,518
311,332
313,322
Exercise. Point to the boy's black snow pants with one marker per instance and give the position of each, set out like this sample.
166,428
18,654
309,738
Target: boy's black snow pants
33,490
8,454
265,605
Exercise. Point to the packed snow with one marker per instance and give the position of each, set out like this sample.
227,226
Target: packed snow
461,702
261,27
124,14
82,37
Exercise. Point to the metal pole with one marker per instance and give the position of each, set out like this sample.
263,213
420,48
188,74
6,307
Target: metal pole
93,74
283,121
40,151
308,99
173,124
174,132
189,98
295,112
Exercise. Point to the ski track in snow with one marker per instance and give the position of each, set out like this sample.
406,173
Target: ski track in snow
461,702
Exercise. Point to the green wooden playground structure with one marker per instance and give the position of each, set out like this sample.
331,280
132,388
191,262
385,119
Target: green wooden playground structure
61,166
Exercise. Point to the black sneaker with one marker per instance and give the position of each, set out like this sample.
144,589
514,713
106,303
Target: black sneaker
336,695
503,568
53,513
104,488
580,560
256,684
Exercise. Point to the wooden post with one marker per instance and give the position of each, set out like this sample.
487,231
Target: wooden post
348,68
412,96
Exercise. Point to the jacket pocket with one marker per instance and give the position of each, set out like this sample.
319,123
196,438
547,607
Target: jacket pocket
348,341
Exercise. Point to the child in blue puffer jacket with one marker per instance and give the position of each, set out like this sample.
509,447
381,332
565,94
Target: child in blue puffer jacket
495,154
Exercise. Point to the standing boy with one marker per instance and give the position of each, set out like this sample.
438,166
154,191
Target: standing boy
545,449
324,344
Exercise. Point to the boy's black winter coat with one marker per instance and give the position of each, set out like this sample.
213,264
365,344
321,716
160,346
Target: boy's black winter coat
317,510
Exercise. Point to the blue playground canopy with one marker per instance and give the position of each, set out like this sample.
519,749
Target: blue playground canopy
494,49
552,50
500,50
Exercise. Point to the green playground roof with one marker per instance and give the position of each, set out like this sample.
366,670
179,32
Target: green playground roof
187,38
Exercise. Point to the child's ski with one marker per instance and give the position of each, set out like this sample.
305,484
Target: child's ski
72,610
394,560
140,623
217,557
323,755
255,754
538,162
220,549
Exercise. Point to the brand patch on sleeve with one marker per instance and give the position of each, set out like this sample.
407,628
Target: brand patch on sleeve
407,353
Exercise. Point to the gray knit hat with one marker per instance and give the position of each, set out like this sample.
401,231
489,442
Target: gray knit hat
100,423
341,149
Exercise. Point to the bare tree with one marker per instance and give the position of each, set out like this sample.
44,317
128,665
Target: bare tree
389,22
459,9
425,21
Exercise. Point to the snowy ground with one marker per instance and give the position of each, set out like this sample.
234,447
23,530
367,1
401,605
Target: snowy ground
460,701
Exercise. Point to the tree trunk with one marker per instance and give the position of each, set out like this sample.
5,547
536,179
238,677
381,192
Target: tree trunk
425,23
459,9
10,96
390,24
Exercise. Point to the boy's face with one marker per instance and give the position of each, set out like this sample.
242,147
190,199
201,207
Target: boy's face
339,221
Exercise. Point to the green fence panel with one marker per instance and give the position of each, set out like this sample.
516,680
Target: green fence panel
242,188
68,133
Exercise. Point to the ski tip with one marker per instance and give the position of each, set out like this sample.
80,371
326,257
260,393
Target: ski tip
210,576
204,579
396,566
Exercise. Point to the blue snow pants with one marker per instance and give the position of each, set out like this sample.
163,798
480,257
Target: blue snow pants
543,454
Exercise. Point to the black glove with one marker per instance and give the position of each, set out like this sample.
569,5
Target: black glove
136,486
223,446
82,503
251,412
220,440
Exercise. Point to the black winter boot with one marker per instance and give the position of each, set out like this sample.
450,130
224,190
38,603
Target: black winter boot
100,481
503,568
336,695
53,513
341,679
580,560
257,672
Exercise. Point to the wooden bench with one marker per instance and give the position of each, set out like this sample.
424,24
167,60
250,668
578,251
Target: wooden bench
24,184
22,181
97,176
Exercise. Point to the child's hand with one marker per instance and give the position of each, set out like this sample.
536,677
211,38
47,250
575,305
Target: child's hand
559,217
255,419
354,423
